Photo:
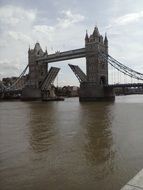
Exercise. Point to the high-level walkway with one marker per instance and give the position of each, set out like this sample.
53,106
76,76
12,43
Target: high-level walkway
62,56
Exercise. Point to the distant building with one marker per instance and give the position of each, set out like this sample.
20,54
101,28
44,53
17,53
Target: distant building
19,83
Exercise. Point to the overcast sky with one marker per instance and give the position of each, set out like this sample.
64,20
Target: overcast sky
61,25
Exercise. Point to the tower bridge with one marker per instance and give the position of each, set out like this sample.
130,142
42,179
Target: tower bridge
96,68
94,85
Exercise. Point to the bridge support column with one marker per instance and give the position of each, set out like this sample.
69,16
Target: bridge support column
96,87
29,93
90,91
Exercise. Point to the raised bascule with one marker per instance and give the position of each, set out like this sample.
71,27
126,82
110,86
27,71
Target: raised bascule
93,84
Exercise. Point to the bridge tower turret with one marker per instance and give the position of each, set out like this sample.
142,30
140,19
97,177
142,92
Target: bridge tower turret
37,73
86,38
96,67
37,70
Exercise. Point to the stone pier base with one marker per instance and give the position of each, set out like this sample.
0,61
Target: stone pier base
90,91
29,93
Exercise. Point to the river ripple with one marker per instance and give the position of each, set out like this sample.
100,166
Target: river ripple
70,145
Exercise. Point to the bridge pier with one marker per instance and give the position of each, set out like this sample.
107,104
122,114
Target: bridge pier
29,93
95,88
90,91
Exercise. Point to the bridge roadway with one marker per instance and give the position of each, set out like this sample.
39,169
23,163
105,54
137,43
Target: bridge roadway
62,56
124,85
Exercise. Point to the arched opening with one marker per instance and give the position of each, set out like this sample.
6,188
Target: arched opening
102,80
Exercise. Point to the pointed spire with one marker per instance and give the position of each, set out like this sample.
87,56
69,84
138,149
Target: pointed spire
29,48
86,37
37,47
96,31
106,39
46,50
86,33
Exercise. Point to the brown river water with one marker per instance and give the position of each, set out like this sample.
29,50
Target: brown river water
69,145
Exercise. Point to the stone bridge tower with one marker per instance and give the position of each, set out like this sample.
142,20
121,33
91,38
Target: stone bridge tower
37,73
37,70
96,69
